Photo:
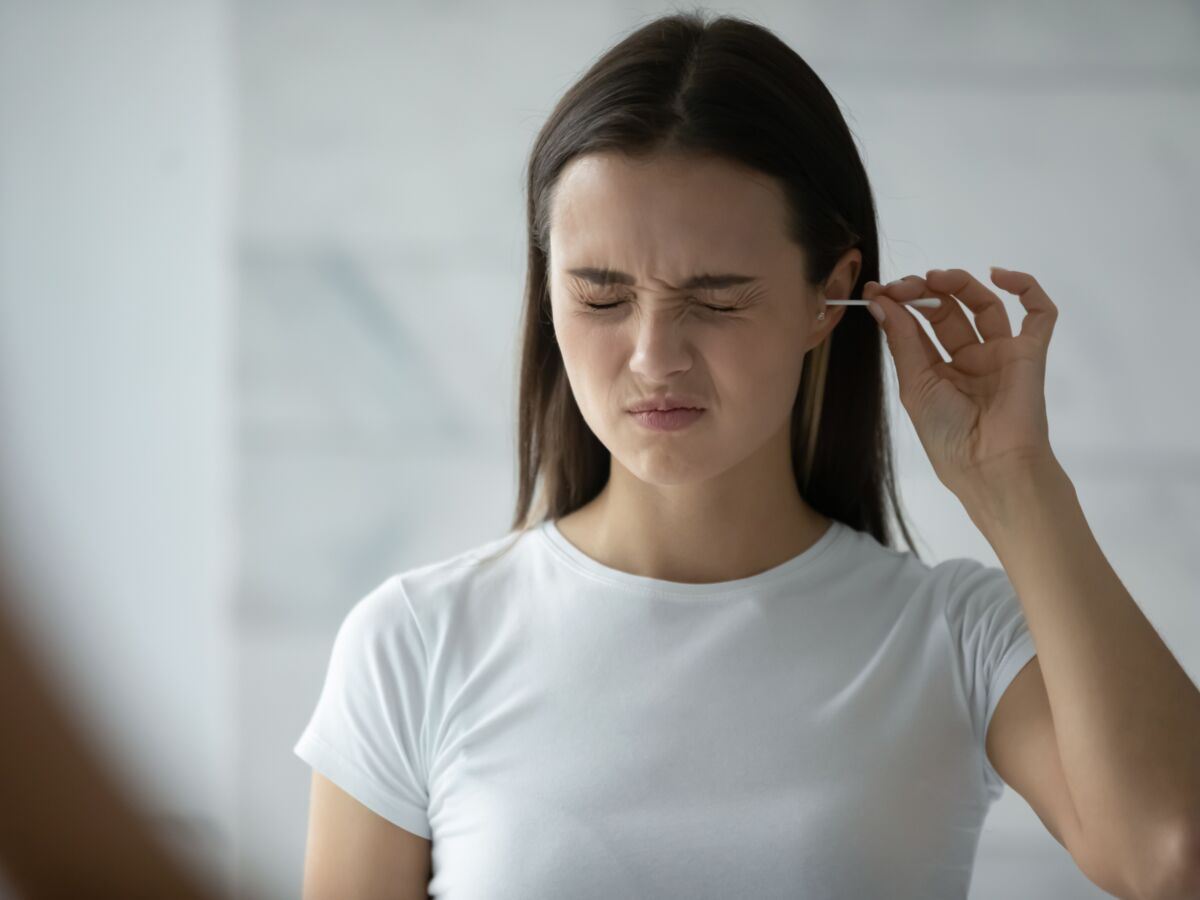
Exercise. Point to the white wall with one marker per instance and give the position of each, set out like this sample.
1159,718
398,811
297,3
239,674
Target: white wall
116,181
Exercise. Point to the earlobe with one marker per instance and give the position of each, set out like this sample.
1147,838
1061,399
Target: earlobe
830,321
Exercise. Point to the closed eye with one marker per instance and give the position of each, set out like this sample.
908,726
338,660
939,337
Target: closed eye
619,302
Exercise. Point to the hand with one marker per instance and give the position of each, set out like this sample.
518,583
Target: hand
984,411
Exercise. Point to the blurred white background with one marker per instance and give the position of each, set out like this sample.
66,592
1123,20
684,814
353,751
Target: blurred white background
261,265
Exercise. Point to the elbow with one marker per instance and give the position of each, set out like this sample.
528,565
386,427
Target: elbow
1175,872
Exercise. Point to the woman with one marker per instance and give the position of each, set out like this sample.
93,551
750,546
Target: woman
696,667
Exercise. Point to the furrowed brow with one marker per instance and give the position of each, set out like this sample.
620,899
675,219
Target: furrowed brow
605,277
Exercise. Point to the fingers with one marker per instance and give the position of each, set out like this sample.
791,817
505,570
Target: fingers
1040,311
950,321
913,352
991,318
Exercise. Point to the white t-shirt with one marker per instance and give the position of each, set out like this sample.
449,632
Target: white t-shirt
559,728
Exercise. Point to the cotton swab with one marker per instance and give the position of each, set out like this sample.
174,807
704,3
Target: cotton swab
927,302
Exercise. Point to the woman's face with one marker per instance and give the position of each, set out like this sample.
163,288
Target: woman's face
735,348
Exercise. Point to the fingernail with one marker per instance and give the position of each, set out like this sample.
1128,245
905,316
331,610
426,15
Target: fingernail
876,310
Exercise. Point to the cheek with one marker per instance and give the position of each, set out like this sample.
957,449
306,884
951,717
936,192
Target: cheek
763,371
581,343
591,361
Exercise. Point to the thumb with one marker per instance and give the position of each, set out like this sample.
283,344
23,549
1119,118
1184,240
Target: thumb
905,339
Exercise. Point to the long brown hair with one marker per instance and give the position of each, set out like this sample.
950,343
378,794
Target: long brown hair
726,88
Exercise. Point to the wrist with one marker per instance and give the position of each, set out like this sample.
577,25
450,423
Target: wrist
1004,496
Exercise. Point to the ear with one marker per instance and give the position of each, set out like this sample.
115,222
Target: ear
821,328
833,315
845,274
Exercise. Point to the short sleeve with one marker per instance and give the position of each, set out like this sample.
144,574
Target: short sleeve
988,626
367,731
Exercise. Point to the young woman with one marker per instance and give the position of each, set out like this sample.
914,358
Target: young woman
697,667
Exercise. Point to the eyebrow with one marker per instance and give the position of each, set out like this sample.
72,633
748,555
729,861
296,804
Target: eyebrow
605,277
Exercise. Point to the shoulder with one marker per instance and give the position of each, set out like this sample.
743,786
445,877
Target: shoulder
972,590
490,568
392,601
902,573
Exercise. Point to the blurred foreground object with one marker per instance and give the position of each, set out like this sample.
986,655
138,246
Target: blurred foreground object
66,829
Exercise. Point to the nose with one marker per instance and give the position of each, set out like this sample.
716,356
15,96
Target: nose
661,345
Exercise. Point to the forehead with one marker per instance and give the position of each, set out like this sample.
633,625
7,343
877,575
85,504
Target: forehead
661,218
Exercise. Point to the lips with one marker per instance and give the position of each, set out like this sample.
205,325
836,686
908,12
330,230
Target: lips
666,404
669,419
